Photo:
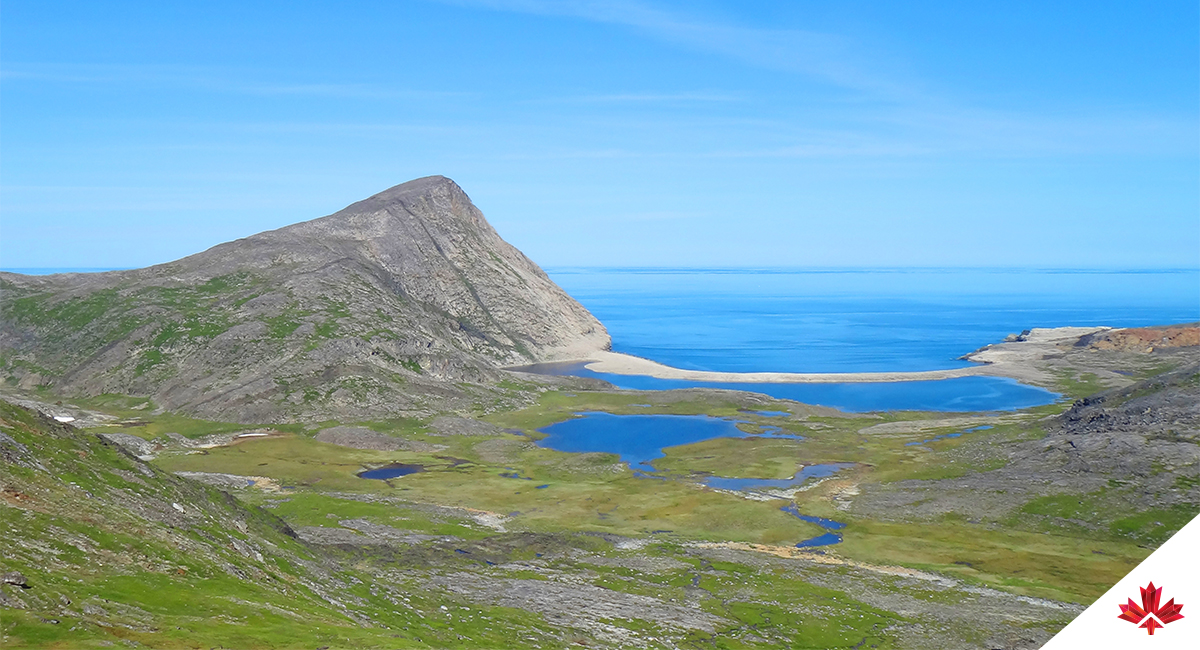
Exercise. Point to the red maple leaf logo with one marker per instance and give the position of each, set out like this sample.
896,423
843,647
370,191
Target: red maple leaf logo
1150,615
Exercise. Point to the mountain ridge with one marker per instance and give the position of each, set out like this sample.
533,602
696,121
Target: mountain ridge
399,298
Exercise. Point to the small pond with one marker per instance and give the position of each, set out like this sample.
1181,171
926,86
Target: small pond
394,470
824,539
640,439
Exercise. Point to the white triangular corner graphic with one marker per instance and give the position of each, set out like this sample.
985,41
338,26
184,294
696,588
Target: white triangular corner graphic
1174,567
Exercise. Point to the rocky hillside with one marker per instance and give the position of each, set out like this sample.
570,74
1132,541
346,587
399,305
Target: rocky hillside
1121,464
1143,339
95,539
103,550
396,303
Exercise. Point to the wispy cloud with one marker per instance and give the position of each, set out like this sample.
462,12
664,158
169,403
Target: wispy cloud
829,57
882,113
886,111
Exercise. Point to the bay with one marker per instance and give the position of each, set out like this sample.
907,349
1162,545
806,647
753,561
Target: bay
860,320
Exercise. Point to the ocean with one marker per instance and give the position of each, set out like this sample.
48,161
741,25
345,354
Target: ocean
862,320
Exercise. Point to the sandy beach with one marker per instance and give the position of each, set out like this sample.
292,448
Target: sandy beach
1014,359
624,364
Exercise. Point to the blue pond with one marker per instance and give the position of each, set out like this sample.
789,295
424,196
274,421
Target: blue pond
391,471
827,524
638,439
824,539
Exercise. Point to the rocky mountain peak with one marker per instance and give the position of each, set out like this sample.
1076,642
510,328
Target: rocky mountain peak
411,285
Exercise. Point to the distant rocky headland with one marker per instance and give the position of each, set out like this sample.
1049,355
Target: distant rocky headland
406,299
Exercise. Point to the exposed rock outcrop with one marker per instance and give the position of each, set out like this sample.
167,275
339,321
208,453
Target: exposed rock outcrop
396,303
1143,339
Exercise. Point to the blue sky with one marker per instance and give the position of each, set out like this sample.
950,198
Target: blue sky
704,133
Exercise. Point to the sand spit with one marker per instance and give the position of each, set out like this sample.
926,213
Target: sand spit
624,364
1015,358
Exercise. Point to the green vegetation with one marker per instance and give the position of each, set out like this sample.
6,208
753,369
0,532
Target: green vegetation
1078,384
79,327
1155,525
326,330
1187,482
498,508
73,313
150,358
282,326
592,493
220,573
1061,567
137,417
605,501
318,509
192,328
1100,515
8,364
1064,506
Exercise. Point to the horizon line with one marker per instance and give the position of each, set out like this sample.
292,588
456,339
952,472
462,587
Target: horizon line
51,270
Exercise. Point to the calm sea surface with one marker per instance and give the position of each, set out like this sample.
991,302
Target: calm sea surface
853,320
861,320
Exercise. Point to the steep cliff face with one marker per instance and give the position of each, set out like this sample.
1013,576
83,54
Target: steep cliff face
389,305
